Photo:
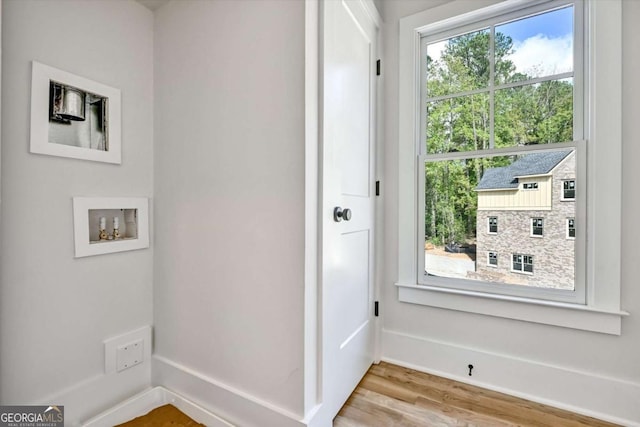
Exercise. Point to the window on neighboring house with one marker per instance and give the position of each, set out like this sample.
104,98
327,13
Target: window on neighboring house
571,228
492,259
537,227
522,263
569,190
493,224
530,186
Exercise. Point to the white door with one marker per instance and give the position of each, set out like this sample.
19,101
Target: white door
348,153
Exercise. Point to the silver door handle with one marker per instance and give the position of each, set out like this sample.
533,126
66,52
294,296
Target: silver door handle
339,214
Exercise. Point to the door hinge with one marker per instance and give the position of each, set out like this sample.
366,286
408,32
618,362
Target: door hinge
375,308
377,188
378,67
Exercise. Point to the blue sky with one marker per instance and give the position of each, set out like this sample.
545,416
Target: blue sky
557,23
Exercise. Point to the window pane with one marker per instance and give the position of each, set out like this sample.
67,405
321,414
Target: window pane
493,224
537,46
459,64
528,264
463,198
493,258
534,114
458,124
571,227
569,190
517,262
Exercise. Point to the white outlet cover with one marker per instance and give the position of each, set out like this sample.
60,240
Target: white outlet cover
111,346
129,355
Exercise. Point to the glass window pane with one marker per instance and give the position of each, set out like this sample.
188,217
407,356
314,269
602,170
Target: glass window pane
517,264
493,258
537,46
534,114
463,198
459,64
569,190
458,124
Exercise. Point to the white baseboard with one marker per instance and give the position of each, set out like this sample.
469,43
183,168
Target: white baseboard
88,398
235,406
597,396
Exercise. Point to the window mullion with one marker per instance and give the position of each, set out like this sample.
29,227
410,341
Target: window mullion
457,95
492,72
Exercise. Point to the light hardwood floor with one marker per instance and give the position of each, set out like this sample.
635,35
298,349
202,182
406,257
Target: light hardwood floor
390,395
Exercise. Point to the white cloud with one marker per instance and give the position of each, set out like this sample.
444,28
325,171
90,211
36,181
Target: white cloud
540,55
435,50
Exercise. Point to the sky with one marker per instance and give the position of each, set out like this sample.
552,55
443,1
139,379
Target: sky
543,44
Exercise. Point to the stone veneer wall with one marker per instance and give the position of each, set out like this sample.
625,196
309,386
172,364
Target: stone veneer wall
553,253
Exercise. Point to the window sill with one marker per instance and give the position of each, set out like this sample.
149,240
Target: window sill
528,273
530,310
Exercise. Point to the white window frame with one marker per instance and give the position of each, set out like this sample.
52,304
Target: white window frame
569,199
538,236
569,237
533,186
489,225
578,295
600,260
489,259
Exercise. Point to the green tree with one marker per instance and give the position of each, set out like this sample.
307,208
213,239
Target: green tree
531,114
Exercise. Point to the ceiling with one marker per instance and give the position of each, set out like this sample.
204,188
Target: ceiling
153,4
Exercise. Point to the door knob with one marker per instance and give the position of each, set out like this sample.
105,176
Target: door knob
339,214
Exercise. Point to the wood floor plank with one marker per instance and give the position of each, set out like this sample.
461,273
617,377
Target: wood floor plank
391,395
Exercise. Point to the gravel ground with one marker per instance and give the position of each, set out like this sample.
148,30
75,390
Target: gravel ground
441,263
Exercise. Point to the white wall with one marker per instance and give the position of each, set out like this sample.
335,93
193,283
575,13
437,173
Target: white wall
55,311
583,356
229,212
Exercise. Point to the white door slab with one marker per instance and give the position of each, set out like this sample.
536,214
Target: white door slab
348,154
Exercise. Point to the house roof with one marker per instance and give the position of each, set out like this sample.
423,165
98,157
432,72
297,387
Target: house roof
506,177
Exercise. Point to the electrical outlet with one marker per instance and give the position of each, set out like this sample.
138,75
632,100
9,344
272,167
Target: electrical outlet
129,349
129,355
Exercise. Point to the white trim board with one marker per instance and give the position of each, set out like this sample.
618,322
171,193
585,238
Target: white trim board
148,400
96,394
601,397
231,404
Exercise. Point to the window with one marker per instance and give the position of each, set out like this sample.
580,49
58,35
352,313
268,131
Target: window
536,227
571,228
569,190
492,259
522,263
444,158
491,119
493,225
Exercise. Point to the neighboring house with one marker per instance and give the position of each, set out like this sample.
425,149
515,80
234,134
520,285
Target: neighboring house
526,221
